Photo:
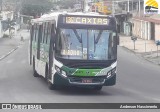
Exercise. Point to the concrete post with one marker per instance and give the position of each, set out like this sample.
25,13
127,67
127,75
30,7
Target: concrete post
145,30
139,8
132,6
21,20
145,35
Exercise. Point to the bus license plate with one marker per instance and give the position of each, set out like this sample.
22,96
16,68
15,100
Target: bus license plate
86,80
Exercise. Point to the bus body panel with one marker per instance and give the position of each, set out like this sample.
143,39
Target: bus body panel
65,75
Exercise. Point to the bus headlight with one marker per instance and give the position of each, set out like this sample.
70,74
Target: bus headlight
110,73
64,73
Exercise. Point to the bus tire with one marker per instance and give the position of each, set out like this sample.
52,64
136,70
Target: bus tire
50,85
35,74
98,88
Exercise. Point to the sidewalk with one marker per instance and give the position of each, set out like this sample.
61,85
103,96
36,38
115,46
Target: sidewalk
7,45
147,48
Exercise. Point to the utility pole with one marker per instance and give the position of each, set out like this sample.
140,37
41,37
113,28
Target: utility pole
128,6
1,5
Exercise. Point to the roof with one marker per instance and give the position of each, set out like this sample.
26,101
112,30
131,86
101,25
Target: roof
149,19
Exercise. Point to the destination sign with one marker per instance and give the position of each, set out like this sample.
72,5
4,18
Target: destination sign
87,20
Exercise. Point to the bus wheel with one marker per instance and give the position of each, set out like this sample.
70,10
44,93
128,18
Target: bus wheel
98,88
35,74
50,85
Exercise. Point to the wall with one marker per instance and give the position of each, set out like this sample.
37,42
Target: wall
1,33
127,28
157,31
136,28
141,29
7,14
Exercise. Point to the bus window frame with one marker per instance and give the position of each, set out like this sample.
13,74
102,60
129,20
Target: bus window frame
48,33
46,39
34,35
39,41
45,32
53,35
32,32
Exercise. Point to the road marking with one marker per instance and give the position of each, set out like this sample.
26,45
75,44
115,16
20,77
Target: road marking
4,56
142,95
156,99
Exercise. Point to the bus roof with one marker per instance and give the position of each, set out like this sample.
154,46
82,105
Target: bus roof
54,16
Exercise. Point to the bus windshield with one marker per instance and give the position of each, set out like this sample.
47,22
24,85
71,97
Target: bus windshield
86,44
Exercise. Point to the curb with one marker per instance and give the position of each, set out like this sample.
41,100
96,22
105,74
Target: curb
141,55
4,56
129,50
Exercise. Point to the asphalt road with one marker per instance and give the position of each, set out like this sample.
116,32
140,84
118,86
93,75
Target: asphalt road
137,82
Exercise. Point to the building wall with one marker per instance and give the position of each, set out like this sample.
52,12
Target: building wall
141,29
157,31
136,28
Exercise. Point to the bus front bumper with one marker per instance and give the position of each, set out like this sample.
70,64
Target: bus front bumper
59,80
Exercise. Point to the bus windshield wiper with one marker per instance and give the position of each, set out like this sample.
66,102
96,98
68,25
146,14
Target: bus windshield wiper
78,37
98,37
94,43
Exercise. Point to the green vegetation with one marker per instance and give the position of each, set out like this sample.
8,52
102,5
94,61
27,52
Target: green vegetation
36,7
66,3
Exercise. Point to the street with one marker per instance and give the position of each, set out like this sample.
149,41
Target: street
133,25
137,82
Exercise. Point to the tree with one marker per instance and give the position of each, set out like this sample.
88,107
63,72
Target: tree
36,7
67,3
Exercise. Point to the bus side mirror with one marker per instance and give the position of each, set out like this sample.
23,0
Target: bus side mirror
117,39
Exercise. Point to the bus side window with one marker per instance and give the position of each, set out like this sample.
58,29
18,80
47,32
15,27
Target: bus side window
47,28
37,32
32,32
43,32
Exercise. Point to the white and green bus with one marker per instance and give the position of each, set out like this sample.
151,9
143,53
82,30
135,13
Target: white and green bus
74,49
